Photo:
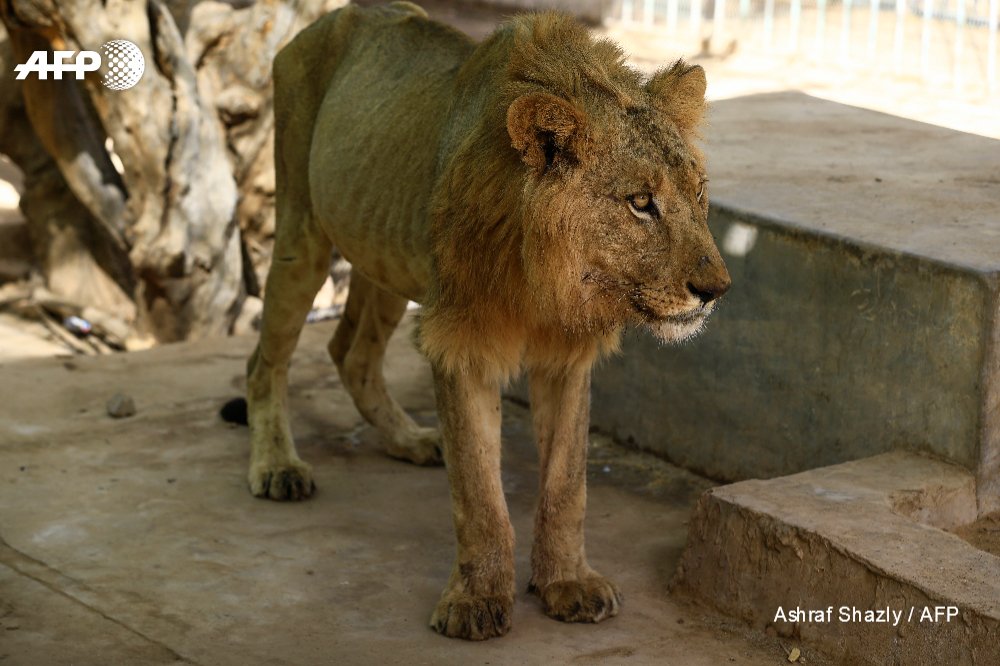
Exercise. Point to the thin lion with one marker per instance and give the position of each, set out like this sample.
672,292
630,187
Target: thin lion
535,195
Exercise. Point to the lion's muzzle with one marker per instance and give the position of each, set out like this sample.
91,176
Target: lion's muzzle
710,280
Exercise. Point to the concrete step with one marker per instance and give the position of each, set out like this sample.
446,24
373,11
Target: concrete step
854,559
864,250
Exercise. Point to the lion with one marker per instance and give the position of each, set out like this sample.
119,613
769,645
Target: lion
535,195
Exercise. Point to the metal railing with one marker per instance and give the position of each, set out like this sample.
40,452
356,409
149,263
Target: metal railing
940,41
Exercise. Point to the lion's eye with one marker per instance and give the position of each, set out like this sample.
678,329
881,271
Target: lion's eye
643,206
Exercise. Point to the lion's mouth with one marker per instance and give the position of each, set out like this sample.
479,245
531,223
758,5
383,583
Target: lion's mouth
672,328
689,317
680,319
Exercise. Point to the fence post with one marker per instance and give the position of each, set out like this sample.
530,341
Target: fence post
845,33
925,40
768,23
672,16
991,48
795,18
898,36
821,26
873,28
719,22
959,44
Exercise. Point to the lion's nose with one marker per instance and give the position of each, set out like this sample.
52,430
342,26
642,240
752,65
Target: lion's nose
709,290
708,294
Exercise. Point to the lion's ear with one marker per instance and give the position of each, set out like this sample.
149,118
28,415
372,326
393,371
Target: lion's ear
545,129
679,91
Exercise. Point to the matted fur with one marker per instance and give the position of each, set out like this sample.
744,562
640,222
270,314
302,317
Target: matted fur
535,194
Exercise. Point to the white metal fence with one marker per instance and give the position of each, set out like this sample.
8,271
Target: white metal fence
939,41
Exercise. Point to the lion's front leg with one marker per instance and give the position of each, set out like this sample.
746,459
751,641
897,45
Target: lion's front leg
569,589
301,262
477,602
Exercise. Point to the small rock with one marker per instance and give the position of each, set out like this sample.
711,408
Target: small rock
794,655
121,406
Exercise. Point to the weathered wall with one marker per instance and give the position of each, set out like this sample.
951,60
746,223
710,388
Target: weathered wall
821,353
862,317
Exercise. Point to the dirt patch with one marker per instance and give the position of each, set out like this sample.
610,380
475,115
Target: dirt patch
984,533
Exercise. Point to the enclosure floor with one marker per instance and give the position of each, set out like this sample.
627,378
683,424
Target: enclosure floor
135,541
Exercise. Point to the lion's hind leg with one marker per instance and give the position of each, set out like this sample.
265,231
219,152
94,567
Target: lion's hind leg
358,350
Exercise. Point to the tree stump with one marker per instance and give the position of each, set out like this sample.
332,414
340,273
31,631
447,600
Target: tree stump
152,204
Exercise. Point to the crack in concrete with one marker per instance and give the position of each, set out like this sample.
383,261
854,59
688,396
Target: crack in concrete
58,582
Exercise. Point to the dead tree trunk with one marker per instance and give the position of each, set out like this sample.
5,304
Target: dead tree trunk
173,177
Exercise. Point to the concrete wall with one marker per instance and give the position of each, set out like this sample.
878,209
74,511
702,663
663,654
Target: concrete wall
822,352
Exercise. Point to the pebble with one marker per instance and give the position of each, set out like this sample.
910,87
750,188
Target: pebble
121,406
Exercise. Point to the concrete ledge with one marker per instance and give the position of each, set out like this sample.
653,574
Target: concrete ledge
858,535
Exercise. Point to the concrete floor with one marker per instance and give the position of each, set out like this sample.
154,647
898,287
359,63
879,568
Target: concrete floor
135,541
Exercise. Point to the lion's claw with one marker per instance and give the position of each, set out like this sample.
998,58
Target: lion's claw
591,599
420,447
292,481
473,618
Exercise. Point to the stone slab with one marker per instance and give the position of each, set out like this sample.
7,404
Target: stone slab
866,177
863,535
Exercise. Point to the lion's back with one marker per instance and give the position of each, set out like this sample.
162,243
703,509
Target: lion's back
382,102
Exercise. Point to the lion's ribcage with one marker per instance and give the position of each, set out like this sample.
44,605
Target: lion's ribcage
372,164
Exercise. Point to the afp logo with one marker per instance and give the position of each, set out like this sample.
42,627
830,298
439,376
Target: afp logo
123,62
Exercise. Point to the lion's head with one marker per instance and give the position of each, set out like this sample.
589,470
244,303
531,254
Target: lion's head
616,198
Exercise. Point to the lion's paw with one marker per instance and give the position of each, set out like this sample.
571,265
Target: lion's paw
421,446
288,481
472,618
591,599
